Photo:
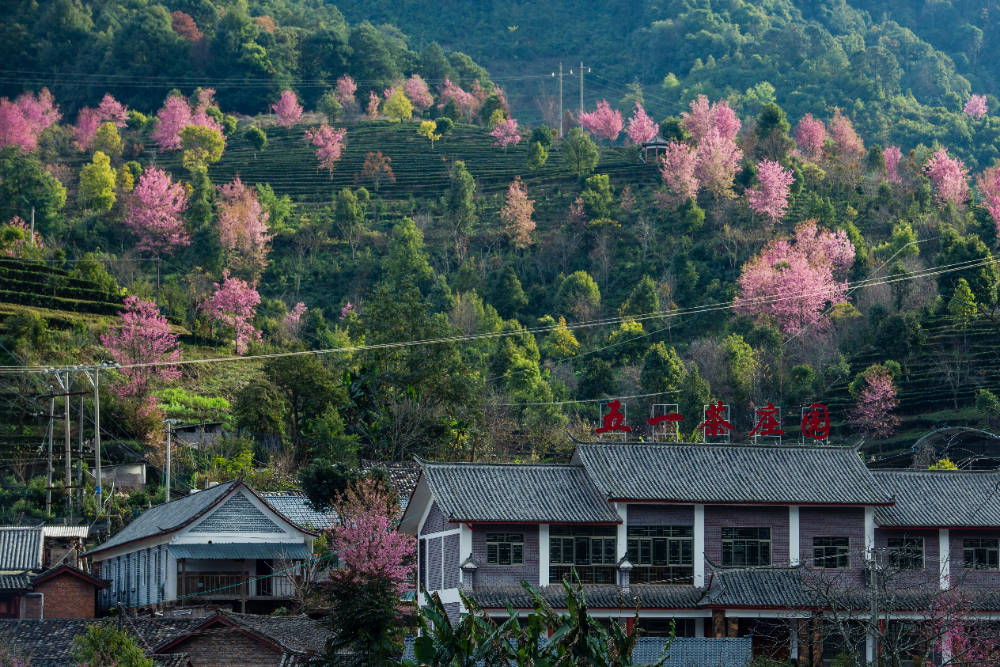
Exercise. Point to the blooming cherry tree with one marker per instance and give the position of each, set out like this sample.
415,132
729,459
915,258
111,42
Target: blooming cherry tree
345,92
793,282
233,305
872,414
418,93
143,336
243,231
287,109
366,540
373,104
810,135
988,184
39,109
718,161
87,123
603,122
112,111
329,143
849,146
516,214
15,128
154,212
892,155
641,128
770,197
505,133
173,117
677,168
293,319
23,242
467,103
976,106
702,117
949,177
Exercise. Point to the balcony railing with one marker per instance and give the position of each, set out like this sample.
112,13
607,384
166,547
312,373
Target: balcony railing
234,585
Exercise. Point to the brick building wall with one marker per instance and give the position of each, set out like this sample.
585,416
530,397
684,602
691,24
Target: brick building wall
436,521
506,575
227,647
960,576
660,515
718,517
67,596
930,574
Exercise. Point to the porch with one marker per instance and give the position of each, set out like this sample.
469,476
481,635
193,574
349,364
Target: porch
207,572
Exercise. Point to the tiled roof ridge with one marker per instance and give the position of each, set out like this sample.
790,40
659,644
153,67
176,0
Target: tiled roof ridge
191,495
935,471
732,445
497,464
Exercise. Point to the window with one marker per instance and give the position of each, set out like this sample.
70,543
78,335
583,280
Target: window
906,553
832,552
981,554
505,548
661,554
746,547
588,549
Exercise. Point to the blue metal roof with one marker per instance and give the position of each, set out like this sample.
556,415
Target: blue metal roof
240,550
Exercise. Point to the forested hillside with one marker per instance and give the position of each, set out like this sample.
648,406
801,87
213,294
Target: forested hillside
197,191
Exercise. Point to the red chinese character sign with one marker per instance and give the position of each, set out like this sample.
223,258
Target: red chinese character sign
768,423
665,422
815,422
716,427
613,418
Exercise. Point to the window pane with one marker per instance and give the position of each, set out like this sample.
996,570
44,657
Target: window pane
517,554
491,554
581,551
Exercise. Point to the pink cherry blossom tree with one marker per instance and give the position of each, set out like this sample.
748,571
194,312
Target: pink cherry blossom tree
810,135
418,92
112,111
467,103
143,336
233,305
173,117
154,212
976,106
293,319
770,197
603,122
345,92
641,128
87,122
677,168
793,282
703,116
516,214
718,161
39,109
373,105
243,231
25,245
329,143
949,176
892,155
366,540
847,143
15,128
505,133
287,109
873,413
988,184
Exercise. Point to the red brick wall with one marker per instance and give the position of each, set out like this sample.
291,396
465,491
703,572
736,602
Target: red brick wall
227,647
67,597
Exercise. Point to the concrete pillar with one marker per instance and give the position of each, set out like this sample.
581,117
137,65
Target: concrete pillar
793,640
869,533
793,535
622,537
944,556
543,554
699,546
464,548
699,627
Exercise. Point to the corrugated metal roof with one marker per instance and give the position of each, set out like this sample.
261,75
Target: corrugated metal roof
731,474
517,493
940,498
296,508
20,548
168,516
237,550
66,531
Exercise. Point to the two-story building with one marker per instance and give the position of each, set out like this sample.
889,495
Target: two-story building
723,540
224,544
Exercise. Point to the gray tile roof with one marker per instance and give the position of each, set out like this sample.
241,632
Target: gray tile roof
20,548
759,587
15,582
297,634
168,517
597,596
940,498
516,493
403,476
730,474
296,508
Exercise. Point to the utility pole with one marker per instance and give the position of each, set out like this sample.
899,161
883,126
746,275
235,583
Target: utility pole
48,485
64,384
32,240
79,458
560,100
581,84
95,381
169,428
